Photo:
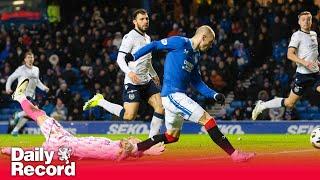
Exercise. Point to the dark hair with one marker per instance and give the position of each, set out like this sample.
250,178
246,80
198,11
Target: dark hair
138,11
304,13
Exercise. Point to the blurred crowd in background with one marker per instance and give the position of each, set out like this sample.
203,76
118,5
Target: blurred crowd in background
77,53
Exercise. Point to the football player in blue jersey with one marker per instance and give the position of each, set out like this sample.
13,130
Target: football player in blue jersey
181,69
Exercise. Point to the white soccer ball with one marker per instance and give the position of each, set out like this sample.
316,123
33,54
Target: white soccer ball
315,138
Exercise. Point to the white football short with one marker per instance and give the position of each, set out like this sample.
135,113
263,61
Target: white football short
179,107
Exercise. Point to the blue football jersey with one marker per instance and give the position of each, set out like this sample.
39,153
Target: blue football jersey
181,66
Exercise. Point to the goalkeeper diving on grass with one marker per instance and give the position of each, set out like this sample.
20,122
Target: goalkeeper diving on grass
82,147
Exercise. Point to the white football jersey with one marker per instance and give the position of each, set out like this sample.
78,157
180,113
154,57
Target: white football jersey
307,49
32,74
131,43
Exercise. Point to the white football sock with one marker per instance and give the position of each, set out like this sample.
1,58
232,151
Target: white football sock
111,107
156,123
21,114
20,124
273,103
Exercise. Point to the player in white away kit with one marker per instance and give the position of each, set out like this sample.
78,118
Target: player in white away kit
303,50
28,70
81,147
141,81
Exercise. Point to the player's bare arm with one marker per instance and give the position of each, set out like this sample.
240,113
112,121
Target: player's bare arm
134,77
292,55
156,80
124,66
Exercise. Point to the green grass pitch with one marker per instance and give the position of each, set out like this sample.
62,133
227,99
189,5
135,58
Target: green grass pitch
200,145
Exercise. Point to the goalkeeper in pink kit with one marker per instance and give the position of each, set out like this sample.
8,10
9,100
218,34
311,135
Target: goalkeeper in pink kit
82,147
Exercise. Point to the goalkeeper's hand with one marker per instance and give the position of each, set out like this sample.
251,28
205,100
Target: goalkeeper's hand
219,98
129,57
155,150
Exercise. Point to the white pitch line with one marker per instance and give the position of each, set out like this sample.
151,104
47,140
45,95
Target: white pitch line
289,152
218,157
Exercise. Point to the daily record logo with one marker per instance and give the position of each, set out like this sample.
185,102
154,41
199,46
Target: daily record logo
20,159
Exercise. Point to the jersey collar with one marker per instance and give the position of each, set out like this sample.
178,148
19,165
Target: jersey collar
138,32
304,31
28,67
194,50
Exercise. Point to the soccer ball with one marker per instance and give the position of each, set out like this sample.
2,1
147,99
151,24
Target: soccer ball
315,138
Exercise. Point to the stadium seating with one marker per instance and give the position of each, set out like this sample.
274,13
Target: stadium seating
238,62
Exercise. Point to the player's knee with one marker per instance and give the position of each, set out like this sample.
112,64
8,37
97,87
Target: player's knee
289,104
159,109
129,116
205,118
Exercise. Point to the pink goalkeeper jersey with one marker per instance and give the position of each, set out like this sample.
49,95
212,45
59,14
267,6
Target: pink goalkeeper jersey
82,147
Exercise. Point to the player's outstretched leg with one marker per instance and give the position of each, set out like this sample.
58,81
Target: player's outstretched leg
288,102
260,106
19,95
156,122
46,124
98,100
158,116
21,122
222,141
166,138
18,115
